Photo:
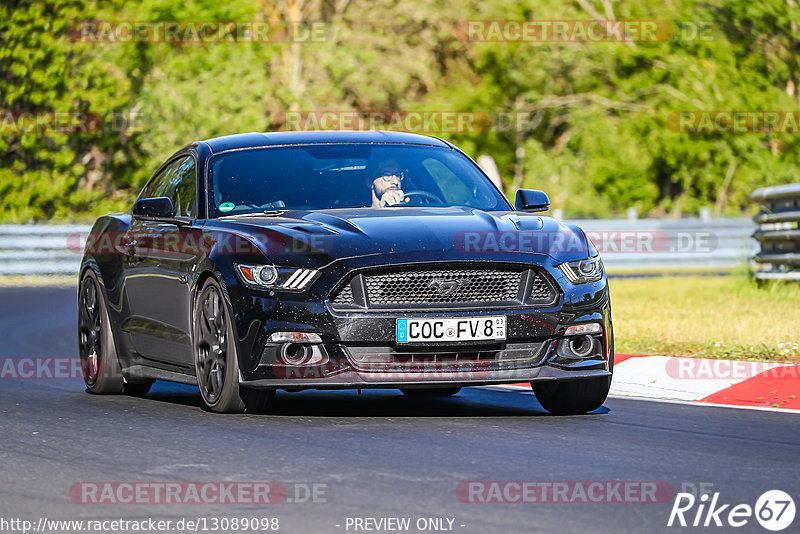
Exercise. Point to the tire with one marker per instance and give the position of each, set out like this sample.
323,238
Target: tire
215,358
431,392
573,397
137,389
98,353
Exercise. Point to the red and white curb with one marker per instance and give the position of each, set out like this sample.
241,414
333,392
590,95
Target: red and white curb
728,382
758,385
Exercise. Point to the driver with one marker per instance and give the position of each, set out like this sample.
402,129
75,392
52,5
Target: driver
385,185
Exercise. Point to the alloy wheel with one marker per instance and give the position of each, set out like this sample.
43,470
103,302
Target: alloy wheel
212,344
90,330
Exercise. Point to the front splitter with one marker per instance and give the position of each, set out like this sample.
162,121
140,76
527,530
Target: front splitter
389,380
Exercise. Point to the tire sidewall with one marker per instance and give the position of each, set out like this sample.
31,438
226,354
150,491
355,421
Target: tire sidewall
109,376
228,400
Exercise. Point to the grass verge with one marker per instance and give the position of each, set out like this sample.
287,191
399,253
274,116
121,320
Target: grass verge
725,317
38,280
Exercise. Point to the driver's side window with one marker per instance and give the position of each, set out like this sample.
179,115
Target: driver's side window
152,189
176,182
181,186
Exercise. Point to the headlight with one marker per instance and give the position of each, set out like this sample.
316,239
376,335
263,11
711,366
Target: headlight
271,277
582,271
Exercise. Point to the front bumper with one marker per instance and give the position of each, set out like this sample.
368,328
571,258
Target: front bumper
360,350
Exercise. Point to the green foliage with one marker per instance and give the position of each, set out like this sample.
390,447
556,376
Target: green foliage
56,174
590,120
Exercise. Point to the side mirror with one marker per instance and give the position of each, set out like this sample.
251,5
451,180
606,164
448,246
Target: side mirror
154,208
532,200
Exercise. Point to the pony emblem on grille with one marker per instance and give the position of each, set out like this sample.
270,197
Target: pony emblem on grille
446,287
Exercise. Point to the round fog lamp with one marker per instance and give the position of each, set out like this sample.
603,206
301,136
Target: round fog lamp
581,346
296,354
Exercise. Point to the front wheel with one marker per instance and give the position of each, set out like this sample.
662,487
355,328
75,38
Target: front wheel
215,358
573,397
101,369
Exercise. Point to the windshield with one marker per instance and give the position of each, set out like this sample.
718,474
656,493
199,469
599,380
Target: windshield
311,177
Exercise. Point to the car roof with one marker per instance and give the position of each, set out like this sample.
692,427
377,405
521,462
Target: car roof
257,139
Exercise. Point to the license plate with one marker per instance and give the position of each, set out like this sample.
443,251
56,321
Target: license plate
451,329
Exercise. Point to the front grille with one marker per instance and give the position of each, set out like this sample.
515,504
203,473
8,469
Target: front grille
437,288
442,287
345,296
540,291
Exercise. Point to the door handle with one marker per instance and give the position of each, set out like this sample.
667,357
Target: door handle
128,245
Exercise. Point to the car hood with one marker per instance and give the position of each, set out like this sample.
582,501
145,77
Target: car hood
328,235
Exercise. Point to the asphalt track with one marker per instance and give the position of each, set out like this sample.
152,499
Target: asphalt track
379,454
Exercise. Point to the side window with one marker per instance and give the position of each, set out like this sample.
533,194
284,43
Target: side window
152,189
177,182
182,186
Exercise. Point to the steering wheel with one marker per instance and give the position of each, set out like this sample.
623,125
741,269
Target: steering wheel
424,194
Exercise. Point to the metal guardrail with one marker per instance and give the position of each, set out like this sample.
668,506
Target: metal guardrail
779,232
653,244
630,245
27,249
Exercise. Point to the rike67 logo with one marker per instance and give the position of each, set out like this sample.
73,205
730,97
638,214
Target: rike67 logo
774,510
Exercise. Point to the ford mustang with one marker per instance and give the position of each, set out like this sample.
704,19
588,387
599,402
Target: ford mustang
331,260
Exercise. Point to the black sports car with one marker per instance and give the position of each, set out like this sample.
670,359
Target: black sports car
330,260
